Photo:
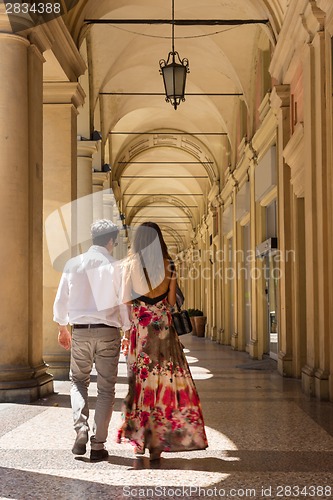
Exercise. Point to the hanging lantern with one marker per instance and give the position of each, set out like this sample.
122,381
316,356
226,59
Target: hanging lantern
174,71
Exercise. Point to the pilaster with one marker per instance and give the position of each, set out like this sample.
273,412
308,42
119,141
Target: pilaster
280,101
315,376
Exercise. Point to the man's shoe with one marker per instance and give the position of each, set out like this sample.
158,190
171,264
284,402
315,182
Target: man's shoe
79,447
98,455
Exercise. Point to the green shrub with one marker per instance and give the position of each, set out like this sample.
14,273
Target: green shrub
194,312
198,312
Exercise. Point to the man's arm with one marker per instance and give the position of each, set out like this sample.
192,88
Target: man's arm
60,313
125,343
64,337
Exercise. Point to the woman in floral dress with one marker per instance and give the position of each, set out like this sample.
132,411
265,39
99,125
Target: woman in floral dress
162,411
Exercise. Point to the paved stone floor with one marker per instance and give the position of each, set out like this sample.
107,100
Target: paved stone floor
266,440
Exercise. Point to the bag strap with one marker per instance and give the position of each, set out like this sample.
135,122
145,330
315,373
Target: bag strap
147,277
145,272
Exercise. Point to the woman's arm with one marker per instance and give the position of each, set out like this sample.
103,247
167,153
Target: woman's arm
172,287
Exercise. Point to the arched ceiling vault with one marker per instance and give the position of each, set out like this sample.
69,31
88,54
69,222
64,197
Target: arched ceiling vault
177,143
165,202
158,153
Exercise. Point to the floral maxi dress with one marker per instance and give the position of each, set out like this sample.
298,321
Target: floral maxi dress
162,409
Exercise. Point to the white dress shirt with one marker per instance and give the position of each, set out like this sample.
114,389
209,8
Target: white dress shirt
90,291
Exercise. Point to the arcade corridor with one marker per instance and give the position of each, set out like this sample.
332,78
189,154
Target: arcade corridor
239,178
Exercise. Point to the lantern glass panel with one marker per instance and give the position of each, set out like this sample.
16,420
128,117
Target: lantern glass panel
174,76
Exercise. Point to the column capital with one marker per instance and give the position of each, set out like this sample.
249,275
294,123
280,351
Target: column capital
294,155
87,148
99,178
219,200
63,93
11,37
313,18
41,37
65,49
280,97
214,190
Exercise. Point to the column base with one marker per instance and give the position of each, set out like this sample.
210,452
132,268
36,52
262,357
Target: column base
58,365
26,391
224,338
234,341
253,349
285,365
213,333
315,383
321,379
308,385
59,371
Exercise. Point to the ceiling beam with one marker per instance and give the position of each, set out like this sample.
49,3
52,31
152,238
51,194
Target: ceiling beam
216,94
162,217
162,194
163,162
167,133
161,206
180,22
164,177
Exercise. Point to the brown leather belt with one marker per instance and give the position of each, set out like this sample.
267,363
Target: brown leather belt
94,325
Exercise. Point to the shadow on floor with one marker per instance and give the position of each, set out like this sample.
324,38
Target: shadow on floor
238,461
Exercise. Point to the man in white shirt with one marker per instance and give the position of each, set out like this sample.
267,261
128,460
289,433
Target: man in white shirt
89,299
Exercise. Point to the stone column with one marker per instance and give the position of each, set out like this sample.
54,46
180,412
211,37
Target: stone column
85,151
213,265
99,184
316,372
235,261
294,156
61,100
23,376
256,271
189,298
206,281
299,289
109,202
240,304
329,145
220,288
280,102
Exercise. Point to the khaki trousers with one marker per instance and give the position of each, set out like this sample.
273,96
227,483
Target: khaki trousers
102,347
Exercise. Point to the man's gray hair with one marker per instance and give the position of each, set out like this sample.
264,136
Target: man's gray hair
102,231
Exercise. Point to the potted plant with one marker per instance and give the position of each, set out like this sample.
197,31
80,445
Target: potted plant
191,313
200,323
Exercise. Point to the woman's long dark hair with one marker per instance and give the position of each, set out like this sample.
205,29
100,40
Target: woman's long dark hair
149,247
144,238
